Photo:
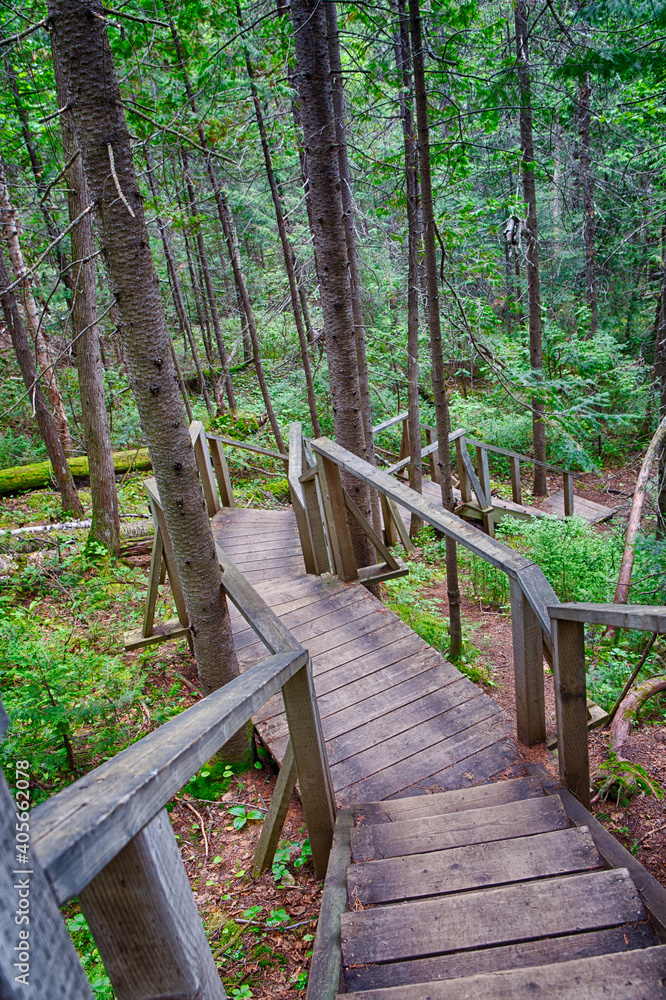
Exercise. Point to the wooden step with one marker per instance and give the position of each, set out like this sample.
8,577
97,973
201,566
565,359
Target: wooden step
513,956
631,975
472,826
487,917
418,806
471,867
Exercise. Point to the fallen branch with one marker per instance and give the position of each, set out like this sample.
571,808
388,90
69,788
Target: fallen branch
629,709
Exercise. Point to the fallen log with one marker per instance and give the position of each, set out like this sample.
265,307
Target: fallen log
21,478
628,711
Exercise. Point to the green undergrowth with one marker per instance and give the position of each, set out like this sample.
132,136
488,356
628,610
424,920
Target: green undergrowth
408,596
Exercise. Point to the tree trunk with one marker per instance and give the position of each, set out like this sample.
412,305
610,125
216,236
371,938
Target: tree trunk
403,61
660,378
314,85
47,425
348,216
174,281
434,325
101,129
45,366
532,241
286,247
105,526
224,216
587,184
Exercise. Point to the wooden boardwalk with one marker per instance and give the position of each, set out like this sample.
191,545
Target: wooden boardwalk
398,719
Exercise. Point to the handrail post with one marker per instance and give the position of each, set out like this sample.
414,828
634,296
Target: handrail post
516,486
433,457
567,480
221,472
297,495
145,921
484,472
528,668
314,775
316,519
404,444
202,455
463,476
571,706
336,517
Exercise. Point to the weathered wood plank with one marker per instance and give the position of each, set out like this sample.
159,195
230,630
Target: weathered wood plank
462,799
390,422
339,535
298,496
145,922
516,485
271,828
171,629
202,455
527,668
571,707
639,616
547,907
472,826
559,852
156,560
221,472
512,956
324,978
76,833
631,975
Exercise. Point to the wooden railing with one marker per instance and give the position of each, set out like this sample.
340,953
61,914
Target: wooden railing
107,837
470,481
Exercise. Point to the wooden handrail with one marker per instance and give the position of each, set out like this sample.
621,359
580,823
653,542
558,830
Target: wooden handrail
246,446
515,454
389,423
78,832
645,617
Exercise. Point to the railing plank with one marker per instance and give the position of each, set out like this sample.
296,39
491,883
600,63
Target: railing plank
646,617
389,423
78,831
277,813
246,446
339,534
528,668
202,455
495,552
516,485
221,471
298,496
571,707
145,921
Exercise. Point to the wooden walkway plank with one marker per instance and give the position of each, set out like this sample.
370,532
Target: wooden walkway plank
530,910
452,802
473,866
513,956
471,826
630,975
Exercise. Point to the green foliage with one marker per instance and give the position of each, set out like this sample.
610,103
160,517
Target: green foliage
243,815
619,779
89,955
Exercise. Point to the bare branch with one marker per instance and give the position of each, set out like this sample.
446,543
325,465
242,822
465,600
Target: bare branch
122,197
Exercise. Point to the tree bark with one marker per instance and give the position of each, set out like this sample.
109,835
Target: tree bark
587,184
45,365
314,86
287,251
105,526
532,241
660,378
101,129
406,99
438,370
224,216
47,425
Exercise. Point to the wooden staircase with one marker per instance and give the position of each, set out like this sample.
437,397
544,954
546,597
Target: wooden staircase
487,892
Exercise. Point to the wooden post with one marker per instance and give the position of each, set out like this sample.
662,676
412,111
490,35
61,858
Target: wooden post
315,518
404,446
571,706
314,776
145,921
276,815
336,519
516,486
297,495
154,580
431,437
221,472
202,455
169,557
390,527
528,668
568,479
463,477
49,964
484,473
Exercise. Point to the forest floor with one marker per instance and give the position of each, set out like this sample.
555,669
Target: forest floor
262,929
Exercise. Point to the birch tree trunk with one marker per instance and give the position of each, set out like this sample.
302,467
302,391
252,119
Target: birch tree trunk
47,425
101,130
532,241
105,526
9,222
434,324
